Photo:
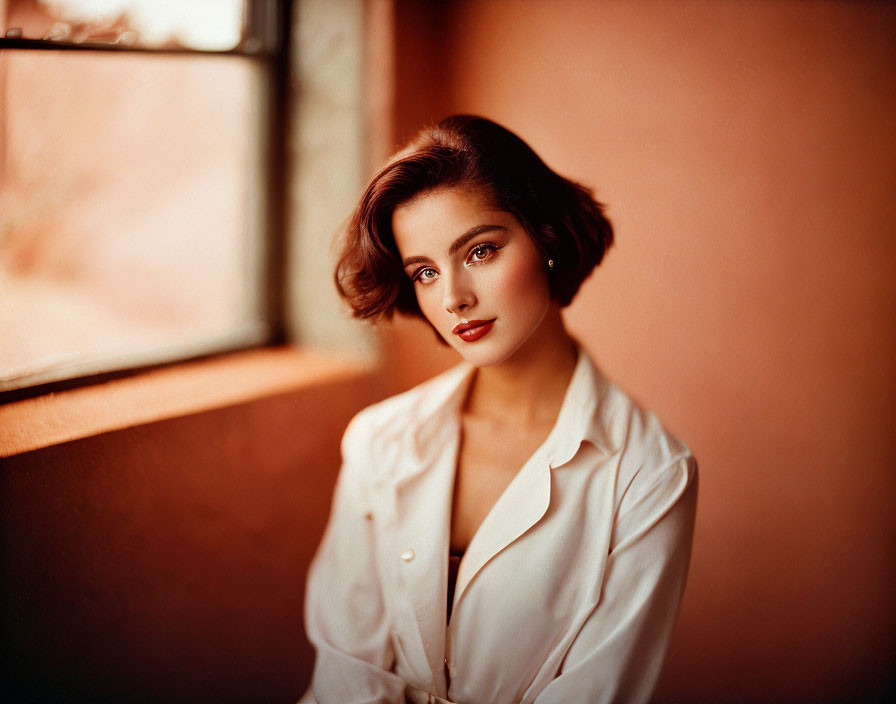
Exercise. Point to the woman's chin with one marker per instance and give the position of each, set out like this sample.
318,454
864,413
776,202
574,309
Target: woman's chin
485,353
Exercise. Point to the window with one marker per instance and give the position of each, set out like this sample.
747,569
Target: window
140,189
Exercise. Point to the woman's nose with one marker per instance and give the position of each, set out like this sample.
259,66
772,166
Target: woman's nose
457,294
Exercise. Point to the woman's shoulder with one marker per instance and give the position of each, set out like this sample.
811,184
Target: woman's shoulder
396,415
644,433
624,424
650,455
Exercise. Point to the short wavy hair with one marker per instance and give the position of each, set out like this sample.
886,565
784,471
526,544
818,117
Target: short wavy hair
562,217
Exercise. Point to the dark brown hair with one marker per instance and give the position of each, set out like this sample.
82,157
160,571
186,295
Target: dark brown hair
563,219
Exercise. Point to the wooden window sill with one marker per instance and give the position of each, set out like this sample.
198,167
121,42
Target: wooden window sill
169,392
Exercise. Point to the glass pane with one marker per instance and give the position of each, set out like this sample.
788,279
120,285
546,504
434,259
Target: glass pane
129,188
205,25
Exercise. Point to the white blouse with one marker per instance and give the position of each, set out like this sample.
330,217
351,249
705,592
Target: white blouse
568,591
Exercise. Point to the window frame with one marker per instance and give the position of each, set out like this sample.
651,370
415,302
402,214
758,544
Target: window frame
266,39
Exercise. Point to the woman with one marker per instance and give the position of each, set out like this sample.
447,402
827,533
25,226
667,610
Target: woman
516,529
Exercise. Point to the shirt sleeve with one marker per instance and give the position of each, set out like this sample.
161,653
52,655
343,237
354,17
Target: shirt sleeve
345,616
618,652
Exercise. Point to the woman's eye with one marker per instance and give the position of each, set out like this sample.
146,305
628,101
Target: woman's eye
425,275
481,252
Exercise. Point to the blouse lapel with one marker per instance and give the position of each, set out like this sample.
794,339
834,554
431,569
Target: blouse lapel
521,506
527,497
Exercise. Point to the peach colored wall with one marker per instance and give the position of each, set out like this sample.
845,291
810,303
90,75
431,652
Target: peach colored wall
166,562
747,154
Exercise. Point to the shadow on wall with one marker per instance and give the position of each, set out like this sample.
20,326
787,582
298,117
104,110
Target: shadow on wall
167,562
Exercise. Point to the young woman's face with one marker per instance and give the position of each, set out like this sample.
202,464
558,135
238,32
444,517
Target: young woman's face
479,279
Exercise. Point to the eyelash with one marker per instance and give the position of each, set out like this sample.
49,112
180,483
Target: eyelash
488,248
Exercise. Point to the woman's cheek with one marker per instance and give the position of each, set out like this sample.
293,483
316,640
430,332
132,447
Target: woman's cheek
429,303
521,279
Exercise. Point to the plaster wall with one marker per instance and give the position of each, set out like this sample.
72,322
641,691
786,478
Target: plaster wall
746,154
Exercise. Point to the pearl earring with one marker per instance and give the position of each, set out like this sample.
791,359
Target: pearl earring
551,264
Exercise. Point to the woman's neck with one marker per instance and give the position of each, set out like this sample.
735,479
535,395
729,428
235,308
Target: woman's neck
528,387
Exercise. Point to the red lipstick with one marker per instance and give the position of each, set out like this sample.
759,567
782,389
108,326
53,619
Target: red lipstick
474,330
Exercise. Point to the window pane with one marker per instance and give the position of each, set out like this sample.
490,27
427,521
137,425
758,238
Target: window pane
129,189
205,25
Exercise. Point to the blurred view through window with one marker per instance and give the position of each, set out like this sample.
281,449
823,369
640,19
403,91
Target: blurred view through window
132,178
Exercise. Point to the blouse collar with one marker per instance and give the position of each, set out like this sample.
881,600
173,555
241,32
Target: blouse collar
585,413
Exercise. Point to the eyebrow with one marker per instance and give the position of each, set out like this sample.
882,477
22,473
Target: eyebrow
458,243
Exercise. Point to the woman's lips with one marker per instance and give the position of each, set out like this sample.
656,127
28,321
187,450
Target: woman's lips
474,330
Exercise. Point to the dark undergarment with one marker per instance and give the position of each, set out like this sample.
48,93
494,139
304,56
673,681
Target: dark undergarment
454,558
